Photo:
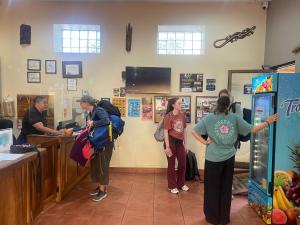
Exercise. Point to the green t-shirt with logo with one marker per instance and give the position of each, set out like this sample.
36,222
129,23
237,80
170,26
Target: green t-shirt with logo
223,130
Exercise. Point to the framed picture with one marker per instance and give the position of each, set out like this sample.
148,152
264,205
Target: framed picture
34,64
191,82
72,84
50,66
72,69
204,106
33,77
161,102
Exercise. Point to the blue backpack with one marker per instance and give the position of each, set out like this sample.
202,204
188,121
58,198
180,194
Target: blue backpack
117,126
100,136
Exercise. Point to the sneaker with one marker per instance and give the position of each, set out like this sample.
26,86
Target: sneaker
185,188
95,192
174,191
101,195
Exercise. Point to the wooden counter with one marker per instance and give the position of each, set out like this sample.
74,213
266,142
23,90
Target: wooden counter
60,173
19,202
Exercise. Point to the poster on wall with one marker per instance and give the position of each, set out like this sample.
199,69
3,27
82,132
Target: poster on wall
191,82
204,106
147,109
134,107
116,92
247,89
121,104
210,84
160,107
122,92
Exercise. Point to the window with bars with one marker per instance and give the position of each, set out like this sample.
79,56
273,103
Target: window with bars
76,38
180,40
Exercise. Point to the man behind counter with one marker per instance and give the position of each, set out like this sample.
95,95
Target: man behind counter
34,121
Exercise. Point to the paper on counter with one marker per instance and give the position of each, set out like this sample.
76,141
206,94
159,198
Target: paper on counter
10,157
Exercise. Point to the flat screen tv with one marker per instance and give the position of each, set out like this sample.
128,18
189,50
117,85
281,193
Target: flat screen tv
149,80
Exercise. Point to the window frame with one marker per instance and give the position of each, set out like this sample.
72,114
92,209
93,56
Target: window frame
181,30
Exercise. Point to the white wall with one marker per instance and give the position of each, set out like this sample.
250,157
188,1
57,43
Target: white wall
282,34
102,73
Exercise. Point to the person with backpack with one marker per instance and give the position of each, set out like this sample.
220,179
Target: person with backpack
100,158
175,144
222,128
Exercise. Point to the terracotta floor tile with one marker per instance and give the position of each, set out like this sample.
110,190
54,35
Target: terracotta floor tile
195,220
168,220
137,220
105,220
73,220
141,199
139,209
47,219
108,208
192,211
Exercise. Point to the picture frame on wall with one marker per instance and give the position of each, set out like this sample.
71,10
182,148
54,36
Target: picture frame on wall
204,106
160,107
33,77
72,84
72,69
50,66
34,64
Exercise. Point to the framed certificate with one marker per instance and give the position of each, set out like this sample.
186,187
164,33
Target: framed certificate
33,77
72,84
34,64
72,69
50,66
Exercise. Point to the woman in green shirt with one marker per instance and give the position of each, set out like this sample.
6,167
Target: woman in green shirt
222,128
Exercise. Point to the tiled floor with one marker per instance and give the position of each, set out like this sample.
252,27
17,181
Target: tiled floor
139,199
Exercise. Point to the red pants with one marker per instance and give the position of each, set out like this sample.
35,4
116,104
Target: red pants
178,152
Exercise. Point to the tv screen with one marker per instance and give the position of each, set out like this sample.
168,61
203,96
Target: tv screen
148,80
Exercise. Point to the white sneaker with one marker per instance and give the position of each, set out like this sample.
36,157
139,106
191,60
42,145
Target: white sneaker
185,188
174,191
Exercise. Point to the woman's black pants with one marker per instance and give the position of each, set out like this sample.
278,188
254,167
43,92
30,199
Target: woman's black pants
218,178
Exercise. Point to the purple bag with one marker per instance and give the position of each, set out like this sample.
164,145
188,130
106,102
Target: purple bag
80,142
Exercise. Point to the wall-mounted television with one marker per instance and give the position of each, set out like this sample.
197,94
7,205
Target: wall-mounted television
148,80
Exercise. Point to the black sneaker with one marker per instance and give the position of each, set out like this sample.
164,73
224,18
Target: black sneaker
101,195
95,192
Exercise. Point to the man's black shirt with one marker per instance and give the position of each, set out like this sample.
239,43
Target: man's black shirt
31,117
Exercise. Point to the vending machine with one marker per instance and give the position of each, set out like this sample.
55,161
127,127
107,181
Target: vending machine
274,180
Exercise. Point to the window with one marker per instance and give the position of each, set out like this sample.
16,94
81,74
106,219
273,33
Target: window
180,40
76,38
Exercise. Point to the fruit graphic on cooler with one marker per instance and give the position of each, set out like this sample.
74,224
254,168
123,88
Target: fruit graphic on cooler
278,217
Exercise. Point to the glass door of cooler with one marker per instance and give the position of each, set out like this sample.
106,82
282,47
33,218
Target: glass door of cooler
262,143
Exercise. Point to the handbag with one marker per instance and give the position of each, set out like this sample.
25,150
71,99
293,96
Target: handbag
80,142
100,136
21,149
86,151
159,133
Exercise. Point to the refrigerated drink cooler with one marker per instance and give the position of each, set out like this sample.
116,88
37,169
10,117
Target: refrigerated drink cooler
274,182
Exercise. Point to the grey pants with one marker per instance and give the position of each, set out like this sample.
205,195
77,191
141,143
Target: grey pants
100,165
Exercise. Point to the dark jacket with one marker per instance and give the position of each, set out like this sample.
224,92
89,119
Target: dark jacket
99,116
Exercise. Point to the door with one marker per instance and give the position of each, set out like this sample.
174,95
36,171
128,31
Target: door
262,143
